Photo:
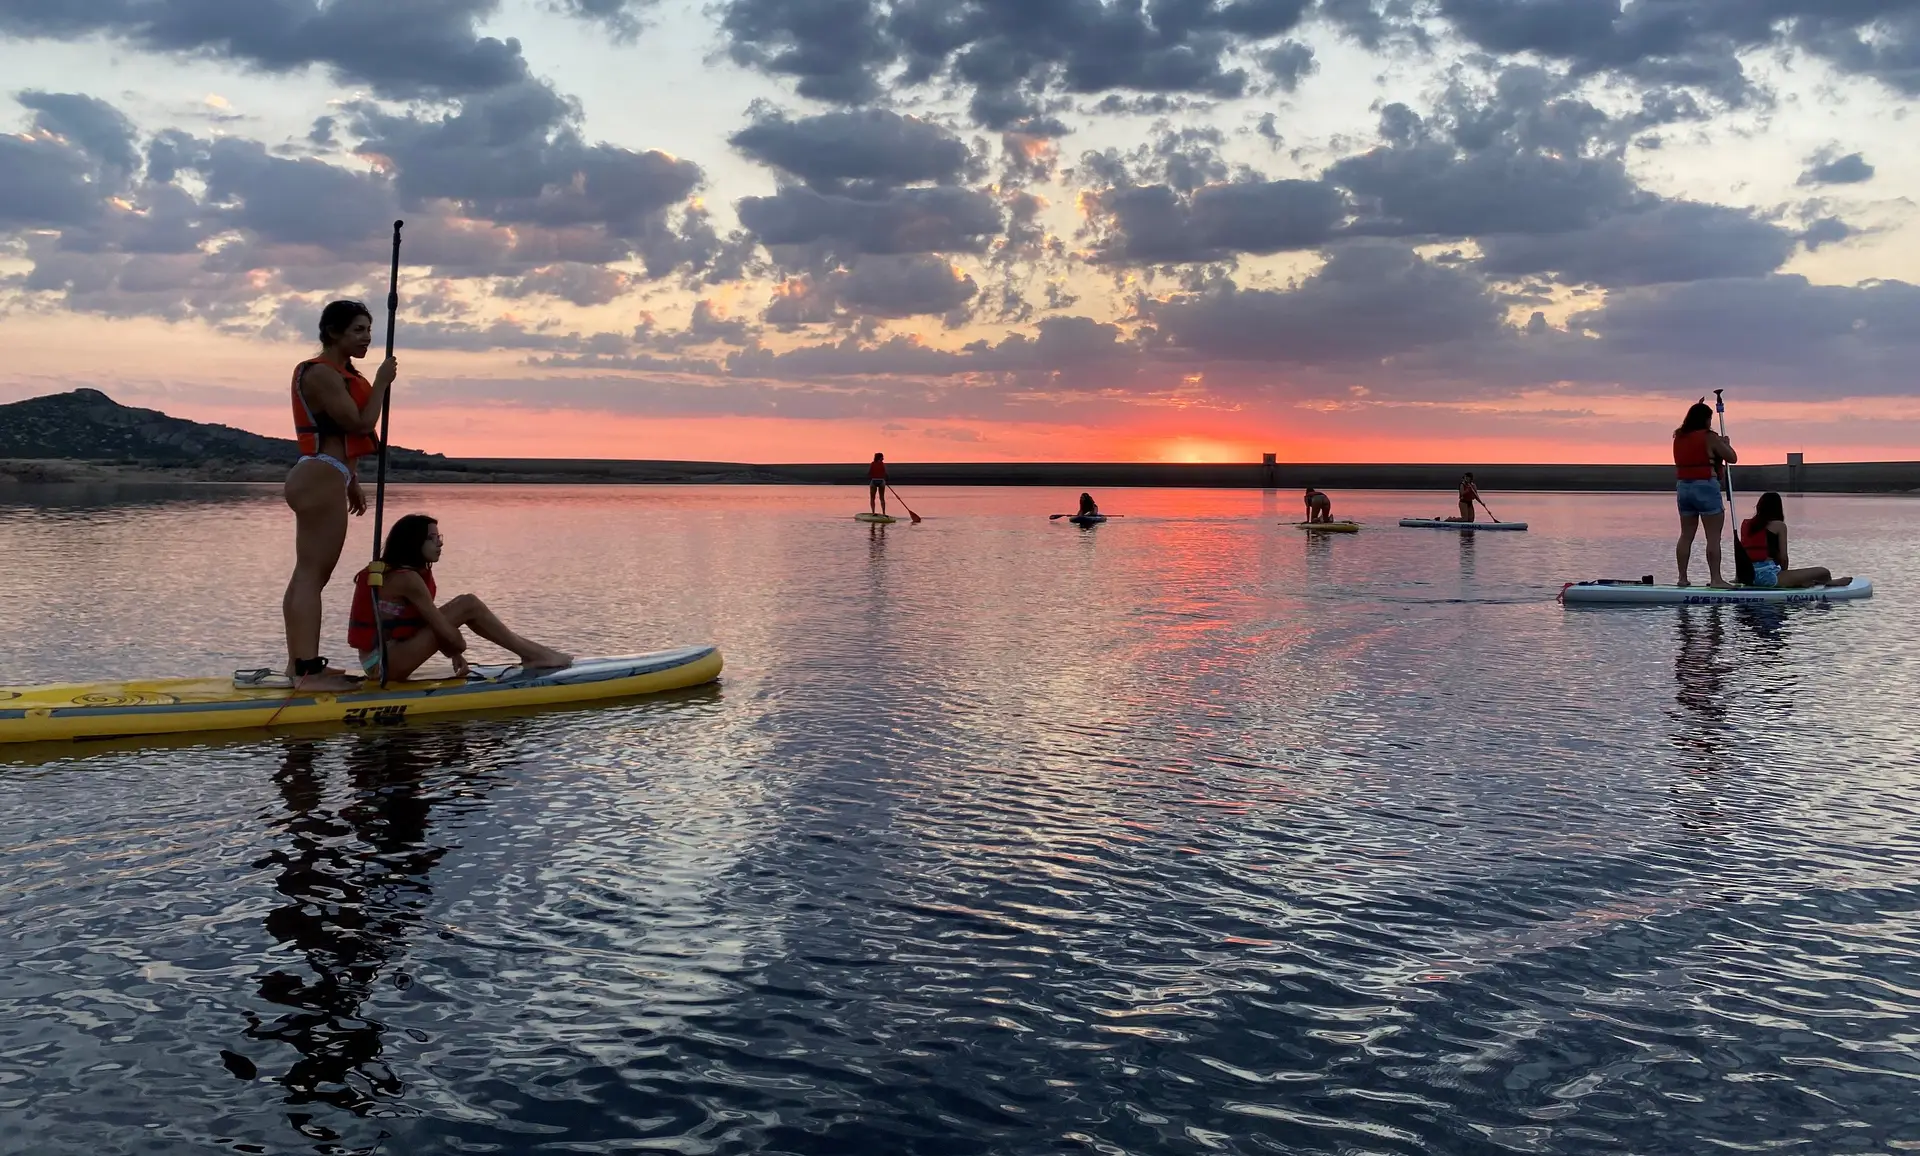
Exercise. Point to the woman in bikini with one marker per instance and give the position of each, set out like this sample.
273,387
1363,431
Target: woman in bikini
335,414
417,629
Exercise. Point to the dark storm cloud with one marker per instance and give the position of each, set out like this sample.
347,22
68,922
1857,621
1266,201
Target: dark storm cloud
1782,332
1007,53
1497,169
45,182
1673,241
865,147
299,202
1851,169
1288,64
1370,301
920,220
621,17
1153,224
1697,42
401,48
95,127
876,286
581,284
832,47
516,155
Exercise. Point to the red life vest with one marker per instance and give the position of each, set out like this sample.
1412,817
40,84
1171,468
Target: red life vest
877,472
401,619
312,428
1468,491
1756,540
1692,456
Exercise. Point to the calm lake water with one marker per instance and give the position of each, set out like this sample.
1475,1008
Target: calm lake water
1189,833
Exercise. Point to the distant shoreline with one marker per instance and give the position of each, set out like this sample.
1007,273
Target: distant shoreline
1822,477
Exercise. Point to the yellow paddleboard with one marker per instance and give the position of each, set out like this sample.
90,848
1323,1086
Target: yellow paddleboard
1330,527
194,705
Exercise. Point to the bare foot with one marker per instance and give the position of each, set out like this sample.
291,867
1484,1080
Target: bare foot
545,658
1683,581
1847,581
1721,584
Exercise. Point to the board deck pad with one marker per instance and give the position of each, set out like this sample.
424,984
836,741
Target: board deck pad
191,705
1443,524
1330,527
1616,593
878,519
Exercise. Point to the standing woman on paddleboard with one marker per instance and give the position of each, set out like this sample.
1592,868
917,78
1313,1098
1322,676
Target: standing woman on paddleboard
1469,494
877,484
1699,456
335,413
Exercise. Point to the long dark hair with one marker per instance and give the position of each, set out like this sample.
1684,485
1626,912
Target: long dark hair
1768,510
1699,417
407,541
337,317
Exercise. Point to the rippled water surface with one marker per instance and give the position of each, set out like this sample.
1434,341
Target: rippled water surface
1189,833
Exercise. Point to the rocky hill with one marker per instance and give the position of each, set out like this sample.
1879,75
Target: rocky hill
88,426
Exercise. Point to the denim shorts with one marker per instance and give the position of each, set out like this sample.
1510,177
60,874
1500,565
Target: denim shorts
1699,496
1766,574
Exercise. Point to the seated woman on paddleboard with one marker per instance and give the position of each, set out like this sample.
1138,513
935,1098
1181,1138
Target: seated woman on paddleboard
1699,456
416,628
1088,507
877,484
1319,507
335,414
1761,557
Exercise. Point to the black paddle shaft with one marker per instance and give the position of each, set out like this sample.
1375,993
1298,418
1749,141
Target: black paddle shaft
380,471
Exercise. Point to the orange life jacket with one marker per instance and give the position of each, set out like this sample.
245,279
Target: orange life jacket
312,428
1756,540
1692,456
401,619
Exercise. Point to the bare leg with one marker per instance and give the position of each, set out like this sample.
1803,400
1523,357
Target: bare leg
468,610
318,497
1683,549
1805,576
1714,524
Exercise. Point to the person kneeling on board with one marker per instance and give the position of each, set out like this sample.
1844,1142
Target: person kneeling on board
1319,507
417,629
1761,559
1088,507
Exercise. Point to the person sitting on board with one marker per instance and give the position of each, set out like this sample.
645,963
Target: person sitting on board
1319,507
1469,494
1760,557
1699,456
335,414
1088,507
877,484
417,629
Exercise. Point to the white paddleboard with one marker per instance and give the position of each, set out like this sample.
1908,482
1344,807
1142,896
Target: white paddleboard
1605,593
1443,524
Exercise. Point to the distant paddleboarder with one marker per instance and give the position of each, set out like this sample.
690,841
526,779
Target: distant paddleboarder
335,413
877,484
1760,557
416,628
1469,494
1699,457
1088,507
1319,507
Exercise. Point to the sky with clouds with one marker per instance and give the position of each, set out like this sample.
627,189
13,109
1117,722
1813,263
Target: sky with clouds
804,230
